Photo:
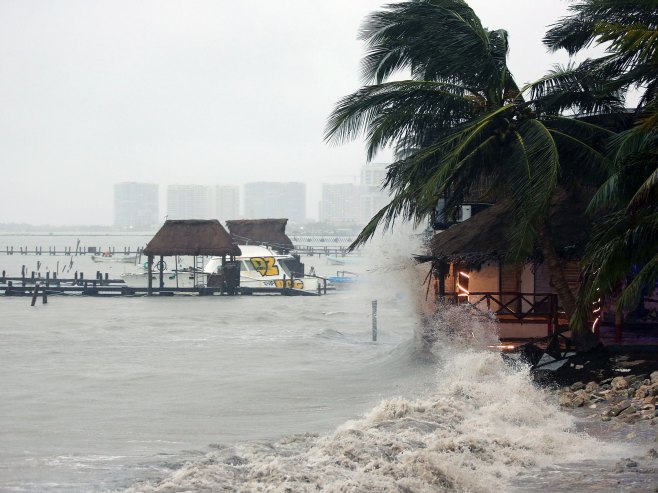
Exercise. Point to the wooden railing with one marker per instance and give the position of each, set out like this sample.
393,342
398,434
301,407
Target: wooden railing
513,307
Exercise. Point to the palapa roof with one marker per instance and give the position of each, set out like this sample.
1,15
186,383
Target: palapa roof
192,237
486,236
261,231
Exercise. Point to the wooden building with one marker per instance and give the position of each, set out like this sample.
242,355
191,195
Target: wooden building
190,237
469,261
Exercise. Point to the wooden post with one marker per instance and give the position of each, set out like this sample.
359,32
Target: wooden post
44,299
619,321
374,321
150,275
161,269
35,293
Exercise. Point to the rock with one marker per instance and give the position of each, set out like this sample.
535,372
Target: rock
578,386
605,418
629,410
619,383
565,399
654,377
592,387
618,408
624,464
652,454
578,402
579,367
649,400
642,392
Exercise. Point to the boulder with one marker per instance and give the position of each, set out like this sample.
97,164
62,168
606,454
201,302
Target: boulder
618,408
654,377
592,387
619,383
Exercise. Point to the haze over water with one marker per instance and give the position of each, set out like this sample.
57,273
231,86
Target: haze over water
269,393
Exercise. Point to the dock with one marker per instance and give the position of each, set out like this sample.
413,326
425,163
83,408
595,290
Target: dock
103,286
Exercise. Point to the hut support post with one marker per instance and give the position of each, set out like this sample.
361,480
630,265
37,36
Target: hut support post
443,271
150,274
161,269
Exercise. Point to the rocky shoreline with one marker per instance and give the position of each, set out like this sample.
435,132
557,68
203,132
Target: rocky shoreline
629,398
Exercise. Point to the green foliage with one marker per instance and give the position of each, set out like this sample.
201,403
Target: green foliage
625,235
461,120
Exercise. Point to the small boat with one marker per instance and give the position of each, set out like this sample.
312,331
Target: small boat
110,257
343,279
261,269
335,260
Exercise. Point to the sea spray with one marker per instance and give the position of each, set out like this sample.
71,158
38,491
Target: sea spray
482,423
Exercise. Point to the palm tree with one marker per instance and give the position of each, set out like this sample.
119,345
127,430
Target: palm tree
461,120
627,236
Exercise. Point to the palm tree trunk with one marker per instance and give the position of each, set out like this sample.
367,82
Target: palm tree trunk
582,336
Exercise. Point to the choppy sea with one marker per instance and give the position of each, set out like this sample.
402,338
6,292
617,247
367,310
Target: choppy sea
280,394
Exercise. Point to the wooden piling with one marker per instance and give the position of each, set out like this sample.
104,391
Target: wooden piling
35,294
374,320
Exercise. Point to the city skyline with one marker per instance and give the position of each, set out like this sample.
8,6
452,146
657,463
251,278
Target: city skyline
93,95
340,202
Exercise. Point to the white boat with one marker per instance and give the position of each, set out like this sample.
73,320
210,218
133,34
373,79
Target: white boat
260,268
110,257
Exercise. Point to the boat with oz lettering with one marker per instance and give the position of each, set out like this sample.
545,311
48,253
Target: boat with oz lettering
262,270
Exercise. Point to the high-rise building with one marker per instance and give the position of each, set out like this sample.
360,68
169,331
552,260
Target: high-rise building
373,174
371,197
275,200
136,205
188,202
225,202
340,203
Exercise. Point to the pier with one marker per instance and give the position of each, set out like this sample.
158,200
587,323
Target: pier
70,251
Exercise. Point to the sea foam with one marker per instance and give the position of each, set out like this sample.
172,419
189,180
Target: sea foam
481,424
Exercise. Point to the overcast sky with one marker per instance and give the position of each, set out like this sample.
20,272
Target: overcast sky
190,92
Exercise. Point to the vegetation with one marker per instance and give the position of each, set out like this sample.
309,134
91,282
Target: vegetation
626,238
461,120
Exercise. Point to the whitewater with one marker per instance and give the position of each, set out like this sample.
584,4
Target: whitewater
278,394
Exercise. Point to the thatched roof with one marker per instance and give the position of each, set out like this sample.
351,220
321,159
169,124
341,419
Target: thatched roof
486,235
261,231
192,237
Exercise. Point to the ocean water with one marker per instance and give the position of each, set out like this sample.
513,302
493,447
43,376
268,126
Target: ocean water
269,393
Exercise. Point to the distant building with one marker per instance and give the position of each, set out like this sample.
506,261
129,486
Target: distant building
188,202
373,174
371,197
136,205
225,202
340,203
275,200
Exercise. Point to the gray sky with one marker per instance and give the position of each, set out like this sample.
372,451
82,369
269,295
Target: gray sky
195,91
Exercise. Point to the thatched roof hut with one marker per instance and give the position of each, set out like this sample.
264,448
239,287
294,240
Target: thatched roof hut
192,237
261,231
487,235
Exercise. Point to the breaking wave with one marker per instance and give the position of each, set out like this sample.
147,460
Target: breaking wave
480,424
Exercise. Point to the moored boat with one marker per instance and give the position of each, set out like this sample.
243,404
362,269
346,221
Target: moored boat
110,257
261,269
